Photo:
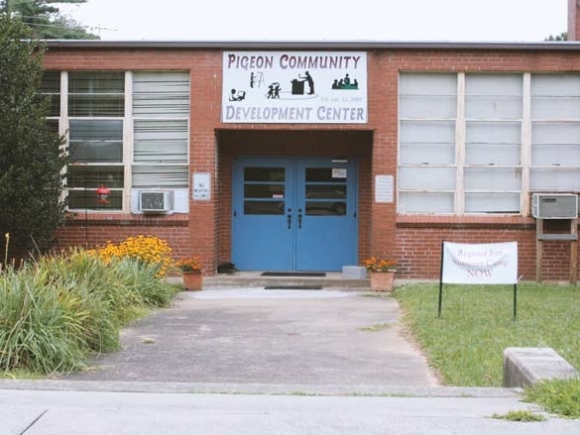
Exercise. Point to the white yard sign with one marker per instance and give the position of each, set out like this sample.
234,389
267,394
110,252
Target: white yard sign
294,87
485,263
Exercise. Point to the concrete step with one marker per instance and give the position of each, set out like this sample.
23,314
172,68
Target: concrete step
256,280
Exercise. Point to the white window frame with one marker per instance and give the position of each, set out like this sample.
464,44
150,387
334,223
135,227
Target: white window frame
525,166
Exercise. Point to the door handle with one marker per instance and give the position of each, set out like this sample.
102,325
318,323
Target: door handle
289,218
299,220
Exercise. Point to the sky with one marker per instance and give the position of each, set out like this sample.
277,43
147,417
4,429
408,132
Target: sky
323,20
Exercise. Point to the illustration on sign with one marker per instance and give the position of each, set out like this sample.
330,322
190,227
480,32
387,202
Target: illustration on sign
294,87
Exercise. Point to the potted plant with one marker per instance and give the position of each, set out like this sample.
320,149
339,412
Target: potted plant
191,272
382,273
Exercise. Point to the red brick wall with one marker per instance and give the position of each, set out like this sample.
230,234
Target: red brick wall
573,20
414,241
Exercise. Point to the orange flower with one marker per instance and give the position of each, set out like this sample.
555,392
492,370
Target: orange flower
375,264
192,264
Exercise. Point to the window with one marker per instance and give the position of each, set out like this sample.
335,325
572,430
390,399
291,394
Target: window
50,88
123,140
511,134
555,148
96,94
161,117
492,164
427,161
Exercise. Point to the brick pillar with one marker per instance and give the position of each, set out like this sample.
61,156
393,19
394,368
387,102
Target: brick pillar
573,20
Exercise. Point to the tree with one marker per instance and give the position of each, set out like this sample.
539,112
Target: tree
561,37
31,154
45,19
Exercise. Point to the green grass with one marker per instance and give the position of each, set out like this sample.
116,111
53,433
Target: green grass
558,396
523,416
466,344
376,328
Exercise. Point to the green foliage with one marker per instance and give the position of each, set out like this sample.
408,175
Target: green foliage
522,415
57,311
45,20
561,37
558,396
30,154
466,344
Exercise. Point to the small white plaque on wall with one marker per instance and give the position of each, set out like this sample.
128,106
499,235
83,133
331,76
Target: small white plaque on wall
201,186
384,188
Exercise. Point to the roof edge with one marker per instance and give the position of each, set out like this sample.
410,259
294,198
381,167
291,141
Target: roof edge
315,45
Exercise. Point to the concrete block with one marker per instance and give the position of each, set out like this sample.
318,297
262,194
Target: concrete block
526,366
354,272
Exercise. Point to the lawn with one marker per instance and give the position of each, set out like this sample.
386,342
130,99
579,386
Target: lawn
465,345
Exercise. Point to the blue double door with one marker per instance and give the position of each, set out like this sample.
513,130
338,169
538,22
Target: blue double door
294,214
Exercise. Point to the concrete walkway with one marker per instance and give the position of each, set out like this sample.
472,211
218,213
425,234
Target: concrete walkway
272,337
297,362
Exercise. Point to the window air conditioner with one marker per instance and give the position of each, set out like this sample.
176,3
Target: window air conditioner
555,205
158,201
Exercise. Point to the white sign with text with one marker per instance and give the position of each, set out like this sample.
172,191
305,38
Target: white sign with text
484,263
294,87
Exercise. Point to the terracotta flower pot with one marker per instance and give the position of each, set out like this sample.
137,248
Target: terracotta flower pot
192,280
382,281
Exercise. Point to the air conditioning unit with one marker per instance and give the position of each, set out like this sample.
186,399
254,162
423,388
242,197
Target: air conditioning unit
155,201
555,205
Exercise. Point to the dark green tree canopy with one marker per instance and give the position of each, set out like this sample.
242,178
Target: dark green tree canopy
31,154
45,19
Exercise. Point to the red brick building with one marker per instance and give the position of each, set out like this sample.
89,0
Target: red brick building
311,156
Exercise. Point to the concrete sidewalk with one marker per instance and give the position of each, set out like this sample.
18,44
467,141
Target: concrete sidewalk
267,337
254,361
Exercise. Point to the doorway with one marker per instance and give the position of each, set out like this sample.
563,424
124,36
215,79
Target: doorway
294,213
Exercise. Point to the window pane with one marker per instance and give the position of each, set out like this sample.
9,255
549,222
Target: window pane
325,208
493,96
424,142
427,106
161,94
96,94
94,176
264,174
96,82
80,199
323,175
425,202
161,176
264,207
555,180
493,143
427,96
493,179
555,96
96,105
50,88
264,191
426,178
492,203
161,141
96,141
556,144
325,191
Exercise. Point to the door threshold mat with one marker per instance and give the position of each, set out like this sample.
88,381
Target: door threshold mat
293,274
293,287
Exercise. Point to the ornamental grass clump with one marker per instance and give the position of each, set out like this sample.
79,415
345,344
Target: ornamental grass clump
145,249
57,311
